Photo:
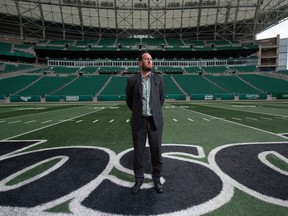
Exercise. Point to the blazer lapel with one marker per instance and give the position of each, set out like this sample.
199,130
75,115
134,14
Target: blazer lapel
153,87
140,87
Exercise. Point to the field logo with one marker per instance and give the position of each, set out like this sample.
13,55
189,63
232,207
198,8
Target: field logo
83,177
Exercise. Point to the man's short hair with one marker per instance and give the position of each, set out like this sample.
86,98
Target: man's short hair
141,53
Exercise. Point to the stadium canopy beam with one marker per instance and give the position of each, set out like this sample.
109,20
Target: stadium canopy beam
256,17
99,23
63,23
116,18
20,20
276,13
235,20
42,20
186,19
199,19
81,22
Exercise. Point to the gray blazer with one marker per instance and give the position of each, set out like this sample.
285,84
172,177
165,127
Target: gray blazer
134,100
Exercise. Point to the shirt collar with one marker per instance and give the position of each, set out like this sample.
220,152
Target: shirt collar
149,76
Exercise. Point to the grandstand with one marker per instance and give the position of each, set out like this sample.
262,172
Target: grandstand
66,145
207,57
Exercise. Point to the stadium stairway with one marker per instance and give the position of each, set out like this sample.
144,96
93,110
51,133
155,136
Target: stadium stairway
51,93
250,84
181,89
216,84
104,86
40,77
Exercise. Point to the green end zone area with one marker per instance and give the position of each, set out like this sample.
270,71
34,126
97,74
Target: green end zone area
207,128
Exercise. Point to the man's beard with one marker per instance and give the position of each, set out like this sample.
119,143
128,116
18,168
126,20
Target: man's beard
146,68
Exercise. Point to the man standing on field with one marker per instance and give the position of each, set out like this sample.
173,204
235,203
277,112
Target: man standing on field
145,97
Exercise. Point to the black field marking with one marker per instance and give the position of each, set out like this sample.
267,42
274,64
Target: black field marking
127,158
187,184
7,147
83,166
242,164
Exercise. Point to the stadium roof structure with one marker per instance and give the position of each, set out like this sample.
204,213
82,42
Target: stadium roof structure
92,19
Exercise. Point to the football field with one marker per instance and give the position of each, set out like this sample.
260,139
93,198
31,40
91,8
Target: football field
219,158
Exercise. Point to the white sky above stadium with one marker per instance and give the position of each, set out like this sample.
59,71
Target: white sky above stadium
281,29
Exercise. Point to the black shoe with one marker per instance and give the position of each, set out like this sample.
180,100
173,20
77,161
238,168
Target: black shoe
158,186
136,188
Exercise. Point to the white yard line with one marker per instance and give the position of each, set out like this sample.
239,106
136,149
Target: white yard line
111,120
236,119
46,121
30,122
189,119
95,120
205,119
127,120
78,121
266,118
39,113
13,122
250,111
59,122
243,125
175,120
254,119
